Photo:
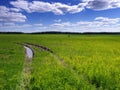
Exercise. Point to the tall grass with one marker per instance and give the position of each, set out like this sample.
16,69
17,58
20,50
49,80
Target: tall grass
93,62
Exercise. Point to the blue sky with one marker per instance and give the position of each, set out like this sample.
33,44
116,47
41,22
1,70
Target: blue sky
60,15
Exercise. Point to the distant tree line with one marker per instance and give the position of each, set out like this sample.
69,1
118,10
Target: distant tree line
55,32
11,32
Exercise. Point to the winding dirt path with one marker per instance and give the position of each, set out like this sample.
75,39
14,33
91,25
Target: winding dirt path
62,61
40,46
27,66
50,51
27,69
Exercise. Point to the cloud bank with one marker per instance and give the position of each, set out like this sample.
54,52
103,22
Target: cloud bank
60,8
99,24
10,16
102,4
40,6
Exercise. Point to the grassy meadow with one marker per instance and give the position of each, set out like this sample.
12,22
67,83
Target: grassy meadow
79,62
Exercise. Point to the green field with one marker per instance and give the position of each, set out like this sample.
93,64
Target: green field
79,62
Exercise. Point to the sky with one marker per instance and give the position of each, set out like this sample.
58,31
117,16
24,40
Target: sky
60,15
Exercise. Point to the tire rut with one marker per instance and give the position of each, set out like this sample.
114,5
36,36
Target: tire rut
63,63
27,69
50,51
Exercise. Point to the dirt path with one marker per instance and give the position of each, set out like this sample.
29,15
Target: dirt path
27,67
62,61
50,51
40,46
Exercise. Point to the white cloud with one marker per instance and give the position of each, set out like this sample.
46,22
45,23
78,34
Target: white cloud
13,25
102,4
21,4
57,20
8,15
99,24
40,6
15,9
60,8
71,9
38,24
22,27
106,20
9,24
63,24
